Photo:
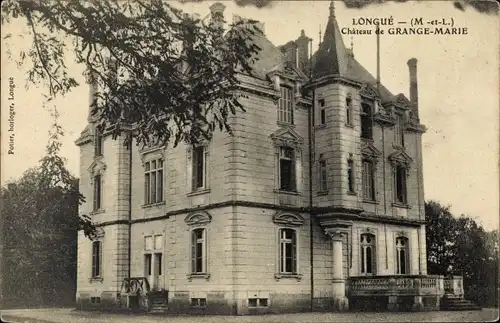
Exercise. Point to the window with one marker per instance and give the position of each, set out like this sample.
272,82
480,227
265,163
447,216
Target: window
366,121
402,256
348,110
153,181
96,259
98,142
198,251
322,111
199,168
148,264
287,169
288,251
95,300
97,192
198,302
368,180
258,302
367,253
400,184
399,132
323,177
350,175
285,105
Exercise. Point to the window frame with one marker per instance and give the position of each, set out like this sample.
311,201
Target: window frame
193,252
156,195
365,117
349,111
196,152
293,168
98,142
97,192
321,112
96,268
403,177
369,180
323,173
286,105
351,178
363,253
283,259
406,258
399,131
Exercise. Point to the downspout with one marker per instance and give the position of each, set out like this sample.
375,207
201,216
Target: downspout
129,145
385,197
311,160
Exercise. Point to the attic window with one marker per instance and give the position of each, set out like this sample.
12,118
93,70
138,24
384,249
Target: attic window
285,105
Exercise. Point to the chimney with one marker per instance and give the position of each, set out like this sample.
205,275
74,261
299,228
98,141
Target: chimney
92,94
291,52
217,12
303,50
412,65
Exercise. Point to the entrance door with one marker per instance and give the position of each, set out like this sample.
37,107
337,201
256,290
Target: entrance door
158,271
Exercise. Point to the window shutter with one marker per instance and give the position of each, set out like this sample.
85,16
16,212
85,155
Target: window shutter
94,262
205,167
146,188
193,251
293,172
194,169
99,256
294,252
160,185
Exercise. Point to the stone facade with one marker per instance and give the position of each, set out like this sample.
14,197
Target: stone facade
241,204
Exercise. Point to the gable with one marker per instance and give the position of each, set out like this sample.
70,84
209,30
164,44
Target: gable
369,92
288,218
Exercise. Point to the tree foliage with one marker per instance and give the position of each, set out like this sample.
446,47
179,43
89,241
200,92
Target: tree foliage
460,246
171,75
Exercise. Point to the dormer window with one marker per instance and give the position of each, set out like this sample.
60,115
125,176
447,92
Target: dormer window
366,121
399,133
285,105
98,142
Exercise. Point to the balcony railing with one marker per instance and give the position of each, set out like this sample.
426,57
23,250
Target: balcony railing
135,286
405,285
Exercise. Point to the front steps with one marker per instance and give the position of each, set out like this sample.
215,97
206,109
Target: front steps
457,303
158,302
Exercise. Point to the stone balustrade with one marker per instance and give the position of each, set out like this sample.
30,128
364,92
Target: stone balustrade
410,285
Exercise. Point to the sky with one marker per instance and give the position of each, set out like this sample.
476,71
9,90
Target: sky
458,93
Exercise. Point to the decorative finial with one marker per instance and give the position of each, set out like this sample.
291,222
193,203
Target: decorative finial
319,43
332,9
352,44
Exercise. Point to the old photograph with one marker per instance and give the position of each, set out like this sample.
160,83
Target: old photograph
249,161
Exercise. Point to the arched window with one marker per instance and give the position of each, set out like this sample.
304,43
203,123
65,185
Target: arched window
402,256
367,242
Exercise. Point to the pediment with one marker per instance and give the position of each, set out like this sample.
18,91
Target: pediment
287,137
402,100
288,71
288,218
368,91
400,157
197,218
97,167
369,150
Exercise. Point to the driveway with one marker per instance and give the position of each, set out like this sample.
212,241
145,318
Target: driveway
72,316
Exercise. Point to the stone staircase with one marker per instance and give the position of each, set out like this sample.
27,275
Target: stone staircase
158,302
457,303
